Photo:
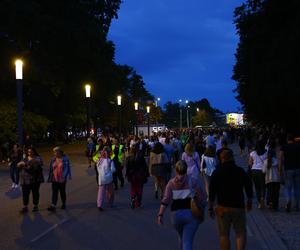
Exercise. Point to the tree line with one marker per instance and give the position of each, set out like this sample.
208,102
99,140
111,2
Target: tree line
64,45
266,69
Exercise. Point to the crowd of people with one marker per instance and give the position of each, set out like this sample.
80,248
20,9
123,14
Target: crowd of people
185,165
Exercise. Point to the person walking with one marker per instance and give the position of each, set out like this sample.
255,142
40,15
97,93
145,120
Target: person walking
179,193
90,149
289,167
137,174
15,157
256,163
105,168
96,155
227,186
118,156
59,172
31,172
158,167
208,165
272,177
192,160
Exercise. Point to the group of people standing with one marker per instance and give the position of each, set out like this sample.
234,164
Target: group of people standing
27,167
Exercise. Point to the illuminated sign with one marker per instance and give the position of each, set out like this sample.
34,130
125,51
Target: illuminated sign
235,119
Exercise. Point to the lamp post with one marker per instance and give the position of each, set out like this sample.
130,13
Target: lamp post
136,108
187,114
180,114
88,108
119,103
19,81
148,119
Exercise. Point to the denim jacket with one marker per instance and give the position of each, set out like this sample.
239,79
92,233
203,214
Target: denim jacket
66,169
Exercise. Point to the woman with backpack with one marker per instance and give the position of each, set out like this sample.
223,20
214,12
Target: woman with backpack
137,174
192,159
179,192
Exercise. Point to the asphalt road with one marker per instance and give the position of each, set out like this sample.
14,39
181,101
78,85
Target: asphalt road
82,226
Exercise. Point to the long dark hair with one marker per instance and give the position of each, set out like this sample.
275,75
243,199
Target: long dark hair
271,152
260,147
158,148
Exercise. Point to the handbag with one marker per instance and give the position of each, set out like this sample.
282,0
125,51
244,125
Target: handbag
197,205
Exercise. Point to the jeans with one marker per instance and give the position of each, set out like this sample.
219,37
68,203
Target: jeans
186,226
35,189
258,178
14,173
292,185
61,188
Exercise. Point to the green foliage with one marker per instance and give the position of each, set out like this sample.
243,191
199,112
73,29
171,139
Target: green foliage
203,118
266,70
34,125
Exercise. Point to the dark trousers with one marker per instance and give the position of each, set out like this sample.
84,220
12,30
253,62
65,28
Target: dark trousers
118,175
273,189
14,172
35,189
61,188
258,178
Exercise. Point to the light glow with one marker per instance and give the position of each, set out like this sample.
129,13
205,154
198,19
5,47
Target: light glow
119,100
136,106
148,109
87,90
19,69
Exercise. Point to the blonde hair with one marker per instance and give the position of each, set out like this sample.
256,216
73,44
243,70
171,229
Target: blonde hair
181,167
189,149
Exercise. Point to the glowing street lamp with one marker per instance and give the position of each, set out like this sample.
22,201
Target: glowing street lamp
119,100
148,119
88,108
180,113
87,90
19,81
198,109
119,103
136,108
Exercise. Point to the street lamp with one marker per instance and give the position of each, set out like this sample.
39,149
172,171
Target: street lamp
148,119
119,103
136,108
88,108
156,101
198,109
19,81
180,114
187,114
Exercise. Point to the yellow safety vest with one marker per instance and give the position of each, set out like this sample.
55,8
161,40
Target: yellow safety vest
120,154
96,156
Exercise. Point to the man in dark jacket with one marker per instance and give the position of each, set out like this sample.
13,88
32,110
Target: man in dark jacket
227,186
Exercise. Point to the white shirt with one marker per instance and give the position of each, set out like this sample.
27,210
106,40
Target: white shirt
258,160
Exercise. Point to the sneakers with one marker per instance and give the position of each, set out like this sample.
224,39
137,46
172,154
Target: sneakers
52,209
100,209
132,203
13,185
24,210
35,209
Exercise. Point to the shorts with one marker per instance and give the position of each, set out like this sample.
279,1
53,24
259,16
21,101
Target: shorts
227,216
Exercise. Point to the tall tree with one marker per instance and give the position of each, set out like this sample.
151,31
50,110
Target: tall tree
266,68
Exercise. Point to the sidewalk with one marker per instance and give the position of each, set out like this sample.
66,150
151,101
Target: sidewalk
276,230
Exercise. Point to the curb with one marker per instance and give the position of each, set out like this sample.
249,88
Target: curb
264,232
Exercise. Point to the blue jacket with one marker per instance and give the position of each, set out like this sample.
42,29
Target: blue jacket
66,169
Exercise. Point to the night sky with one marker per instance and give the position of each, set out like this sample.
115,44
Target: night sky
183,49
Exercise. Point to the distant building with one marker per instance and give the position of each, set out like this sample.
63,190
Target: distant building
235,119
142,130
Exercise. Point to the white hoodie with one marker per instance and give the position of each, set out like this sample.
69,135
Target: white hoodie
105,168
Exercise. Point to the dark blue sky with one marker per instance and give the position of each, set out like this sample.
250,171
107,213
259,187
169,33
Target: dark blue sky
183,49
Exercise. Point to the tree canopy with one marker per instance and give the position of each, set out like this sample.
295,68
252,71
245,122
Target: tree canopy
64,45
266,69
